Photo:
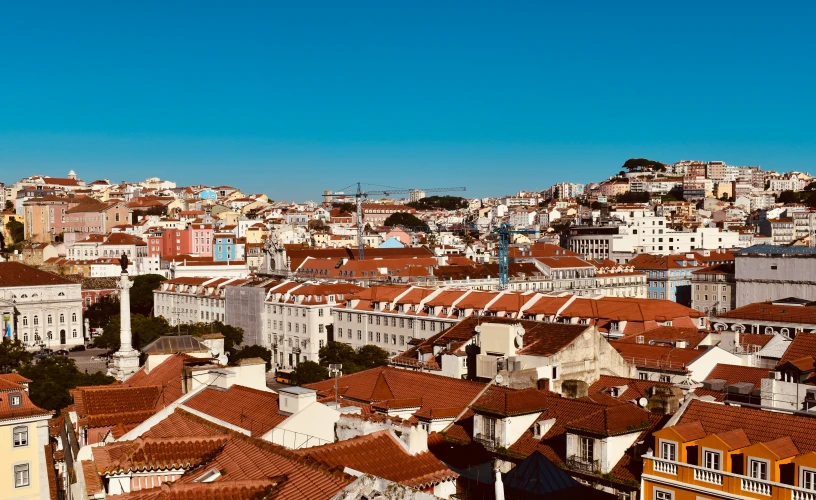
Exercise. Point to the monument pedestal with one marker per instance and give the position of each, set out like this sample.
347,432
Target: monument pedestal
125,364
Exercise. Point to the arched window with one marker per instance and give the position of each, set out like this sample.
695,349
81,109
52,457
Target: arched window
36,320
50,337
33,295
61,294
62,318
23,296
74,333
50,320
73,317
25,320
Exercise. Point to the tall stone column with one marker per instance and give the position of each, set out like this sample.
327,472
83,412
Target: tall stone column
126,359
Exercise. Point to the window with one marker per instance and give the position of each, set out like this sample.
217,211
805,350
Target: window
587,449
711,460
489,427
663,495
668,450
643,376
665,378
20,436
808,481
21,475
320,312
758,469
359,335
15,399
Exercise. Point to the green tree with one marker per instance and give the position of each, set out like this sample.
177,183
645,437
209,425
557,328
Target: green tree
233,335
440,202
337,352
346,208
405,219
364,358
788,197
309,372
141,295
52,378
13,355
100,313
145,330
9,207
16,230
371,356
252,351
631,197
637,164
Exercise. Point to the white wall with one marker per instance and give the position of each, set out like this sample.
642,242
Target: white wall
316,421
702,366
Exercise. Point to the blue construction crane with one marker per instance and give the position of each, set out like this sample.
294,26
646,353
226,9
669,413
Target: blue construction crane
504,231
360,195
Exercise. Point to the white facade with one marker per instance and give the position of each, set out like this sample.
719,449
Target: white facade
49,315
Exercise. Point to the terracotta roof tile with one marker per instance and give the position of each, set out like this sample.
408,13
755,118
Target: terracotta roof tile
760,426
250,409
761,311
803,345
146,454
612,421
252,489
14,274
507,403
381,454
733,374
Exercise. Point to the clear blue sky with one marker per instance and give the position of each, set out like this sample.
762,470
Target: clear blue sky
293,99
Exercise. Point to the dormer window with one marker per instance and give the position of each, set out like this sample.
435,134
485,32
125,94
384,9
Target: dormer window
15,400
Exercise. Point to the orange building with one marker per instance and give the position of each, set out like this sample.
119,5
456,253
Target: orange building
716,451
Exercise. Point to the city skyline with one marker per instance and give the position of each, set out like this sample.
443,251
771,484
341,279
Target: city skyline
424,96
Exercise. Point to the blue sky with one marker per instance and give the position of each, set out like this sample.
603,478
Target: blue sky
497,96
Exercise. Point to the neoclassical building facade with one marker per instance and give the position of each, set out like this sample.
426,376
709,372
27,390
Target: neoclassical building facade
39,308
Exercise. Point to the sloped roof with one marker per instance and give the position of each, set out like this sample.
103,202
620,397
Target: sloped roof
15,274
250,489
537,475
508,403
612,421
761,426
378,384
761,311
733,374
250,409
150,454
380,454
803,345
172,344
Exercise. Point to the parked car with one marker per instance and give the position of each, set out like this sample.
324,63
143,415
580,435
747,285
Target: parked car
61,352
89,346
42,355
77,348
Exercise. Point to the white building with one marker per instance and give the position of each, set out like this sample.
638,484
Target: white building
40,308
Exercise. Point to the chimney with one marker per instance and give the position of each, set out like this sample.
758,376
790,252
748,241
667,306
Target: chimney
574,389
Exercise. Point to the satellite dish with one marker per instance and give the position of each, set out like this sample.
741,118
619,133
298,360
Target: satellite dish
642,402
478,328
499,379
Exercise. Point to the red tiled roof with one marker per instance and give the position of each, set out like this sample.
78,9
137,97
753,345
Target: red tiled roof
612,421
691,336
146,454
250,409
15,274
761,311
733,374
635,388
381,455
93,483
803,345
657,357
26,408
251,489
378,384
508,403
761,426
179,425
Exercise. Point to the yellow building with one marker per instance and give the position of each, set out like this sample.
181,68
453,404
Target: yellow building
715,451
24,440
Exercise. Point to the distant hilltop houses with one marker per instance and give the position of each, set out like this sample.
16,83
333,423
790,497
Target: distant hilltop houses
647,336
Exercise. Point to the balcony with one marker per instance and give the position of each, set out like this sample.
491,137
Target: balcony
583,464
489,442
708,476
721,481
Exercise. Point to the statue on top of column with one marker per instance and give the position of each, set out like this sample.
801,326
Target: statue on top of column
123,261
